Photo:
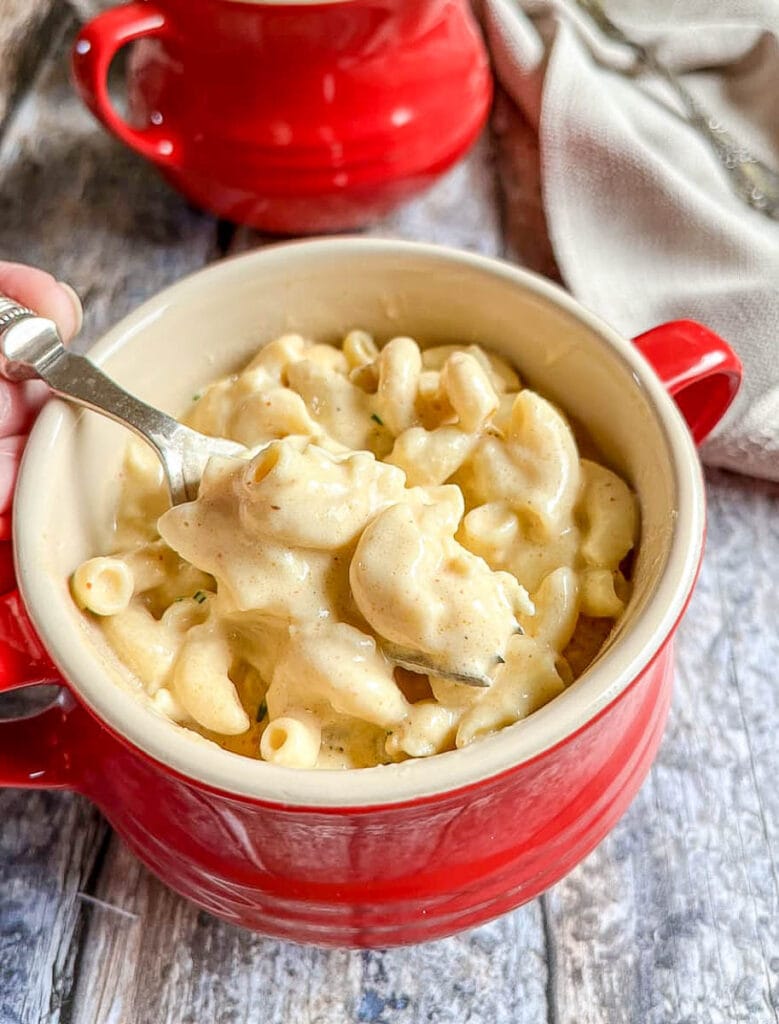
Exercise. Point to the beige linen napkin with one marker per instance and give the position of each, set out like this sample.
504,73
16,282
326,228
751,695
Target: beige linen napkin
644,223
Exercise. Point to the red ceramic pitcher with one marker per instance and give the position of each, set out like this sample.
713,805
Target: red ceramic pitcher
293,117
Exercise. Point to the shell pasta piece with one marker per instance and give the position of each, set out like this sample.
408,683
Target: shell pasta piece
147,646
344,668
431,457
469,390
202,685
437,599
608,508
527,681
535,470
400,365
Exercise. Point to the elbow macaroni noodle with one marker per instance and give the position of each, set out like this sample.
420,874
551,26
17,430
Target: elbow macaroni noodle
391,500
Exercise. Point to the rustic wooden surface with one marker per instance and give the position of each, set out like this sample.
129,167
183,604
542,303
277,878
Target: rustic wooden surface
674,919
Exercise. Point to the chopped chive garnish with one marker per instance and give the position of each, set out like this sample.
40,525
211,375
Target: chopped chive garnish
262,710
500,660
199,597
377,419
197,396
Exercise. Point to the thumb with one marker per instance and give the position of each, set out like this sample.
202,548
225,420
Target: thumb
43,294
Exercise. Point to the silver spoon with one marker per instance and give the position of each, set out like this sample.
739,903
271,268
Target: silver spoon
755,182
30,347
415,662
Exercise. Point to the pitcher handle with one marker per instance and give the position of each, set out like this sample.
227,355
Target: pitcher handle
95,47
699,369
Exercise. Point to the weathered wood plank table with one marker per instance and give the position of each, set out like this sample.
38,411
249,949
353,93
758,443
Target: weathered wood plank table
674,918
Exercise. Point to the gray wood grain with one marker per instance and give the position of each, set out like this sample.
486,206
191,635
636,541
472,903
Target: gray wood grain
49,843
674,919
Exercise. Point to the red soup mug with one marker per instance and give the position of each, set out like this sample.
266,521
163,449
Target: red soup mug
398,853
294,116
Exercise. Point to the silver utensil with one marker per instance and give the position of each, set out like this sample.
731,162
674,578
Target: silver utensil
755,182
30,347
415,662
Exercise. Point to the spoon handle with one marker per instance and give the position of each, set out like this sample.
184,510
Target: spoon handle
30,347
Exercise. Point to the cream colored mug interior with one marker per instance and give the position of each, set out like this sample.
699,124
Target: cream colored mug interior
210,324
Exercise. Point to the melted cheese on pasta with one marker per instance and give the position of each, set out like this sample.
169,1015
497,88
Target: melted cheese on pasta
396,508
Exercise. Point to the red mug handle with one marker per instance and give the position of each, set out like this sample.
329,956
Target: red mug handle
699,369
34,751
95,47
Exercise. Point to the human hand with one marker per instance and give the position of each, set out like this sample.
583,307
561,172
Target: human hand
19,403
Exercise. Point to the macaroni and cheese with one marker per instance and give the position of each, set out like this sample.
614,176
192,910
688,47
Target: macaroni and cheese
402,518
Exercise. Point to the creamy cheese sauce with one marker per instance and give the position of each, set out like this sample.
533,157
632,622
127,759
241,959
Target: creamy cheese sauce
396,506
